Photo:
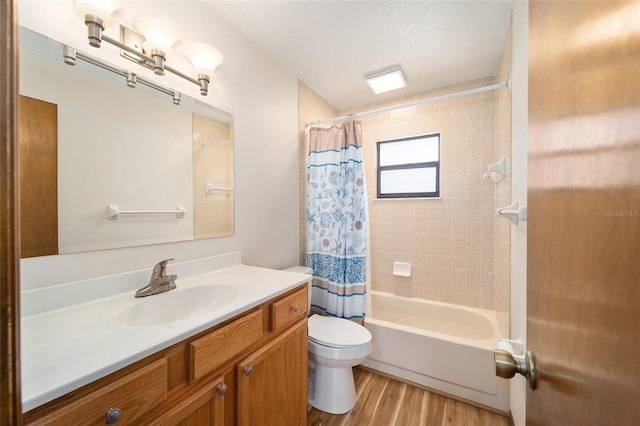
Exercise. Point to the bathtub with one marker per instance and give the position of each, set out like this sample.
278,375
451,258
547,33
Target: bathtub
445,347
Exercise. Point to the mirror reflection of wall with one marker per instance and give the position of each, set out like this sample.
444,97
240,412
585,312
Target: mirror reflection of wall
213,177
130,147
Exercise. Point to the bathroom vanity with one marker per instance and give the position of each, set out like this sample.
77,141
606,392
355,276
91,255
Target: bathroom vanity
241,361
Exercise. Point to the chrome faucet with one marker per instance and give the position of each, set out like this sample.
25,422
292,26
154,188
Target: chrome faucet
159,282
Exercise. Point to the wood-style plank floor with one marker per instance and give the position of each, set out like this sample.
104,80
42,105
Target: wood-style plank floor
387,402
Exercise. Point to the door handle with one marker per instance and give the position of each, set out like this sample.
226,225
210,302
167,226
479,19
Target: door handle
507,365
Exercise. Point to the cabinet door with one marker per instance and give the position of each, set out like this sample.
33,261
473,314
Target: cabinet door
272,382
205,406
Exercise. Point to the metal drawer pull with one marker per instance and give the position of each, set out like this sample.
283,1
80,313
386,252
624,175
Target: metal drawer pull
222,389
294,308
112,415
248,371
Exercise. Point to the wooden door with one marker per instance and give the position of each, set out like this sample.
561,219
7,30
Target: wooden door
10,401
38,177
272,382
584,212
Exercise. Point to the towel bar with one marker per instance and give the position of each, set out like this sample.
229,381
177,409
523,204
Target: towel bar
114,212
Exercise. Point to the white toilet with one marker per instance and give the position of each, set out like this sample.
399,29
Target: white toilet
335,346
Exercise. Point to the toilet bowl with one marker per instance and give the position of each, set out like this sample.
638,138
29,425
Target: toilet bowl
335,345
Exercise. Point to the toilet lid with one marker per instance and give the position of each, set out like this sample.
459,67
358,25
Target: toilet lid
337,332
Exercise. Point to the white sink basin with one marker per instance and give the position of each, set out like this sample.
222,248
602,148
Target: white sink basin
176,305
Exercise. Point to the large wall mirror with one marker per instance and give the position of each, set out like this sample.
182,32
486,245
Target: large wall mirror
92,147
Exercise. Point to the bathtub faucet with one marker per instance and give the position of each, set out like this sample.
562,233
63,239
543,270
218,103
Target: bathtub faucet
159,282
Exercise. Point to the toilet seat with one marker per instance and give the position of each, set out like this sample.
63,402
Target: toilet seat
337,332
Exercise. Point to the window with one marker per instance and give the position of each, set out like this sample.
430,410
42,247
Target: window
409,167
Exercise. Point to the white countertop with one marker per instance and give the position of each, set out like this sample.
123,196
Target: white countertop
69,347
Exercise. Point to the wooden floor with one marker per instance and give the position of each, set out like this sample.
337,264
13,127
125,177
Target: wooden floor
386,402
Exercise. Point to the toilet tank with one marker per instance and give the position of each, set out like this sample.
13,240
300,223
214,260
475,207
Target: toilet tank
308,271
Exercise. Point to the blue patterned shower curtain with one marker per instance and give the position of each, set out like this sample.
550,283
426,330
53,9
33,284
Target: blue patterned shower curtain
336,220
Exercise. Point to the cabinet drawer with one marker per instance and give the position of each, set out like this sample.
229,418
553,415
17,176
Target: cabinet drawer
288,310
211,351
134,394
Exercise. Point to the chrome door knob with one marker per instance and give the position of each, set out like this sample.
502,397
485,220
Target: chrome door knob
508,365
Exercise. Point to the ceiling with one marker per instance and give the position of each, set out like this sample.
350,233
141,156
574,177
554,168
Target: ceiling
330,45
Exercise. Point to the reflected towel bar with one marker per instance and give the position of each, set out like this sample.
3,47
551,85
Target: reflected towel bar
210,188
207,145
113,212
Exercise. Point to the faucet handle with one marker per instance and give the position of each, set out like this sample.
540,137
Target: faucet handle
160,270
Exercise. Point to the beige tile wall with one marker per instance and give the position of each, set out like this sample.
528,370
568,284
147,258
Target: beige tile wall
213,212
502,240
449,241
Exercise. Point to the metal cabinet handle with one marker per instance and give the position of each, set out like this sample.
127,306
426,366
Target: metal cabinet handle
112,415
508,365
248,371
294,308
222,389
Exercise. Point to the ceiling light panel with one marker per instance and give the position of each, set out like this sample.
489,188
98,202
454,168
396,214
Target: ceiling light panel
385,81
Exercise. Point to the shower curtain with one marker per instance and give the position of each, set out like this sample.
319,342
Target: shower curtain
336,220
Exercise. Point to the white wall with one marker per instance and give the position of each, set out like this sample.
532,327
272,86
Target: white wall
143,162
519,79
260,94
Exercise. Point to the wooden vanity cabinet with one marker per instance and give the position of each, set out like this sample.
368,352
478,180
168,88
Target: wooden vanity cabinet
249,370
269,379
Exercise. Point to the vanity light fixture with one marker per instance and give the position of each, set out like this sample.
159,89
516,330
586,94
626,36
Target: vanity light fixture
205,59
157,39
385,80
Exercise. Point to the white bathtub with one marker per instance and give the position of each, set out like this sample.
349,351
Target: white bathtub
445,347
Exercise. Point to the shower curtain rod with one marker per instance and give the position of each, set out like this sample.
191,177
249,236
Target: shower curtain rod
413,103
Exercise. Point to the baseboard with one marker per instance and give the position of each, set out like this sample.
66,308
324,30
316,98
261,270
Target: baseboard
512,422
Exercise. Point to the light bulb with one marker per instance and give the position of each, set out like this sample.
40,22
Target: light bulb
159,34
205,58
103,9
